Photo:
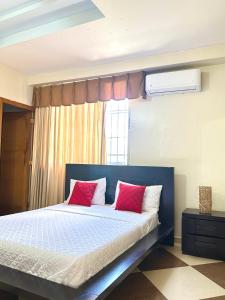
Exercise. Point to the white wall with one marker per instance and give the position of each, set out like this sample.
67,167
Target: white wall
186,131
13,86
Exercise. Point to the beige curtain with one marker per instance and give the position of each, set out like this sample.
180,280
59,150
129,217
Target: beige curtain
64,134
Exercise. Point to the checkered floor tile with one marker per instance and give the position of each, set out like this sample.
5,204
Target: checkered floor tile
168,274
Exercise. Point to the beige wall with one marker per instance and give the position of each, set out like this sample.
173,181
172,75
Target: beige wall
13,86
186,131
198,56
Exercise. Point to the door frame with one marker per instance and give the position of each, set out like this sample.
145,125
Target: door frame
15,104
26,108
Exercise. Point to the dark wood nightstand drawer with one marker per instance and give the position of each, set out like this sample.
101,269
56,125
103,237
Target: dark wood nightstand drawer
204,227
203,246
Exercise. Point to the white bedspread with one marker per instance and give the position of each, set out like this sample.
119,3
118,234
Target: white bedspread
69,244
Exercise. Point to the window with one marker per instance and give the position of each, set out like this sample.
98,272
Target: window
116,124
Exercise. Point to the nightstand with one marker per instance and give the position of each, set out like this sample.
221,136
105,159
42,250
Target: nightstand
203,234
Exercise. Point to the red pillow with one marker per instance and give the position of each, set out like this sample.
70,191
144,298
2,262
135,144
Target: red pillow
83,193
130,197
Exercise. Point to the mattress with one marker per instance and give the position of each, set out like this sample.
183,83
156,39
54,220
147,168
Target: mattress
69,244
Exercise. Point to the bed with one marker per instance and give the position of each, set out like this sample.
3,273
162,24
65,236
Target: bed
35,262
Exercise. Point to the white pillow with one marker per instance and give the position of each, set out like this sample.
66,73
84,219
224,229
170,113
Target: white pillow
151,196
99,195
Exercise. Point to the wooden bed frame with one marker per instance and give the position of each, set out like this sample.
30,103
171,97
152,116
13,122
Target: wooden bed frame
14,283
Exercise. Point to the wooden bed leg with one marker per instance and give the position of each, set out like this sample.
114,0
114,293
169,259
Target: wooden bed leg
8,296
169,240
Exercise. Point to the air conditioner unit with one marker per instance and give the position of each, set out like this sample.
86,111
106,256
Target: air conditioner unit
183,81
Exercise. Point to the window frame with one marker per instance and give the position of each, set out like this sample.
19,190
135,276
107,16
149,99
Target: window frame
127,154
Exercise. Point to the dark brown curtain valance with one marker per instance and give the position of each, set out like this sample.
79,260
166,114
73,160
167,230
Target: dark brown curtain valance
119,87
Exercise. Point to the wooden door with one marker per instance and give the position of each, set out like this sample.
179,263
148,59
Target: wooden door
14,162
1,113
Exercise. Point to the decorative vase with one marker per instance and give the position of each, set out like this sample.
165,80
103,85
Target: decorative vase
205,199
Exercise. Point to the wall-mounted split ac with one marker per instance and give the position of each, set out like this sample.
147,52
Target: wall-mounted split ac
183,81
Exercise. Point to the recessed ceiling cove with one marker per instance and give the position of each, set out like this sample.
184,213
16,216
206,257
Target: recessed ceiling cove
22,20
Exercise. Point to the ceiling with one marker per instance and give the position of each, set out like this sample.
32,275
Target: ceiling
22,20
128,29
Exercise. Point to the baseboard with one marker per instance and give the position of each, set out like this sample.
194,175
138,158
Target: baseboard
177,241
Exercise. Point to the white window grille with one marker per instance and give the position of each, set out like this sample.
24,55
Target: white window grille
116,125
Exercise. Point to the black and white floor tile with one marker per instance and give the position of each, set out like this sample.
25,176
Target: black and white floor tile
168,274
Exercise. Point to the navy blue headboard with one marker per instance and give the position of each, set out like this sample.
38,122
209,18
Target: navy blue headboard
141,175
